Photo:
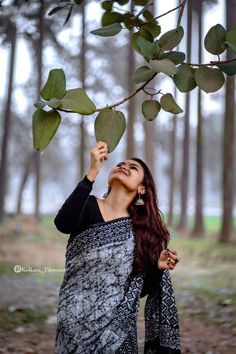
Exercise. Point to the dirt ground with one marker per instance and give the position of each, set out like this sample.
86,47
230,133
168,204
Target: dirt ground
28,306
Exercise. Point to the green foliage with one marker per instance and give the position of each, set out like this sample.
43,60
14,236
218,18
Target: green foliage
55,86
184,79
174,56
142,74
171,39
108,31
151,27
147,49
209,79
76,100
215,40
230,39
169,105
228,68
165,66
109,127
150,109
45,125
157,50
110,17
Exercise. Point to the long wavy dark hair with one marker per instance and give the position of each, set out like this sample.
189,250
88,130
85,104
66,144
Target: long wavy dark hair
150,231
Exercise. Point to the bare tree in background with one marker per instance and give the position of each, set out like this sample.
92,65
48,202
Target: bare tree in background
182,225
172,184
149,127
199,229
11,38
130,148
37,159
228,141
82,54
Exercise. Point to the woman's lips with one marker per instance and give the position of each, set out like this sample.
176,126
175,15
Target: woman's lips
122,171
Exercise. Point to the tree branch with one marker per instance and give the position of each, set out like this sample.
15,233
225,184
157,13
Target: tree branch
181,11
213,63
128,97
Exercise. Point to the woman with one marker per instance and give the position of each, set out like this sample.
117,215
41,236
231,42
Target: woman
116,254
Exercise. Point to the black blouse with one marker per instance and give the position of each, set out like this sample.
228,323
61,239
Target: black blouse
80,210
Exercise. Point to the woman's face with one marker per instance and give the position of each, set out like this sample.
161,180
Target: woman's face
129,173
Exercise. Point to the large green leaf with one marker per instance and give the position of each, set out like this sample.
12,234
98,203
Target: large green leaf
45,125
230,39
55,86
110,17
209,79
184,79
109,127
150,109
142,74
165,66
108,31
176,57
77,100
228,68
152,27
214,40
169,105
171,39
148,50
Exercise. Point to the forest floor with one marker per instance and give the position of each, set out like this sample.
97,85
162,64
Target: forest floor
204,283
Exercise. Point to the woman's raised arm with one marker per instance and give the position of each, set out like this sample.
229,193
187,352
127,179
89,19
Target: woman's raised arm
68,215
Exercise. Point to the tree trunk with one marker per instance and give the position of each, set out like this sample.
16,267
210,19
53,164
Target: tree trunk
130,148
172,167
199,228
228,141
25,175
149,127
37,158
82,131
7,124
182,226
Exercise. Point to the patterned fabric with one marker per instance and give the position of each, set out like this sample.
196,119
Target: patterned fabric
100,293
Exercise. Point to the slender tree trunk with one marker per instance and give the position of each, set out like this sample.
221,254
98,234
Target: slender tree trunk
37,158
199,228
130,148
82,131
182,226
7,124
150,127
172,167
228,141
25,175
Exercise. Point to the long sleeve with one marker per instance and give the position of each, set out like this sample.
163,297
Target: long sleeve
68,215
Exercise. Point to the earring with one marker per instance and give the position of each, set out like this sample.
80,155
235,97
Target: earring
139,201
108,191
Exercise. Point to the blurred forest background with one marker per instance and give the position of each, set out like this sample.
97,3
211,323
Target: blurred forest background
192,157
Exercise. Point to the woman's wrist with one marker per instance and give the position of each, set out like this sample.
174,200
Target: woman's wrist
92,174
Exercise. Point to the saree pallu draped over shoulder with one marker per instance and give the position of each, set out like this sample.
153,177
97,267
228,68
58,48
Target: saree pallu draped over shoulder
100,293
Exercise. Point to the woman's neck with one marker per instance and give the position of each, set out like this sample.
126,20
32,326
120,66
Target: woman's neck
118,201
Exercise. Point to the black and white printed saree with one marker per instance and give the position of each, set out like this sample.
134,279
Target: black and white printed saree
99,297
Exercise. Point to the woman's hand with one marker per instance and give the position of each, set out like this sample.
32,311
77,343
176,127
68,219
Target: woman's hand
168,259
98,155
